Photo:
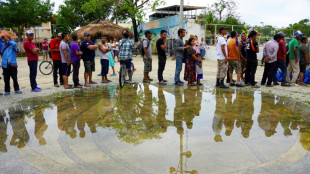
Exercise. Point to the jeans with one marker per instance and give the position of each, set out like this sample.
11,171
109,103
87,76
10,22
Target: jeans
161,67
202,52
250,72
57,67
10,72
269,71
282,66
33,67
76,68
178,69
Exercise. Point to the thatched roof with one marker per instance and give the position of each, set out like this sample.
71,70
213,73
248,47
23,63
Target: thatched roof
100,28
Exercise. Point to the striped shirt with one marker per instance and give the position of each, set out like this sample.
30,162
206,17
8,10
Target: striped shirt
126,47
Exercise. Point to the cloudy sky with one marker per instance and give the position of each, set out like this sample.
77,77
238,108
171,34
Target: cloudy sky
278,13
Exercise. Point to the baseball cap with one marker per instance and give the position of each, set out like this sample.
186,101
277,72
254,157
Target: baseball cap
29,32
59,35
281,34
298,33
222,28
86,34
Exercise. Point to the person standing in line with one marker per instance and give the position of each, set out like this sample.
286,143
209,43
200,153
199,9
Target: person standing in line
222,58
304,51
190,67
242,47
45,49
32,57
281,60
252,49
161,45
76,59
8,50
88,48
104,52
147,56
65,53
179,56
202,48
125,53
197,44
234,59
116,49
293,66
111,54
270,57
57,66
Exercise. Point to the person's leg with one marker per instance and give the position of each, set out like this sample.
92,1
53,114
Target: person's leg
296,71
178,69
160,68
87,71
265,74
282,66
60,73
130,73
90,75
66,85
289,70
55,71
247,73
274,79
223,71
113,69
272,71
14,78
253,68
150,67
6,78
86,78
34,69
75,76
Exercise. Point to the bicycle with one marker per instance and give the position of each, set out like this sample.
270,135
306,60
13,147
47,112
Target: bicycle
123,73
46,67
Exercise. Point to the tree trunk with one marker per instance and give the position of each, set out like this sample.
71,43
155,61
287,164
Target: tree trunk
135,29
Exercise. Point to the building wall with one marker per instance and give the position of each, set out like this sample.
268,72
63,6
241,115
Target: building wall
171,25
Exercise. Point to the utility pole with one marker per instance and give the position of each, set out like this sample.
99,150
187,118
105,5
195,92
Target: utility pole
181,13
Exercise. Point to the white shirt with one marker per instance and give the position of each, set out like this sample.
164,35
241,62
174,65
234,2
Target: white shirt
106,55
116,44
220,41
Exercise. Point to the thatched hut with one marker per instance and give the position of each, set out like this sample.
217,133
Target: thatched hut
100,28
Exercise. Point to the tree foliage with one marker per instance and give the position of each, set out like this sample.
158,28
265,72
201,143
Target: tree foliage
72,15
303,25
125,9
17,14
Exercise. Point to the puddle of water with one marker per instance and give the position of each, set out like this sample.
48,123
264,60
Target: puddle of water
151,129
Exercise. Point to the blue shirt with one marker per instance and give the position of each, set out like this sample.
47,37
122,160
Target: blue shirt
9,54
126,47
88,55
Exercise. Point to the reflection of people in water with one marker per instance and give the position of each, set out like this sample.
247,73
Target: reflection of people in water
147,110
269,116
162,109
218,119
40,126
232,111
3,131
304,134
20,134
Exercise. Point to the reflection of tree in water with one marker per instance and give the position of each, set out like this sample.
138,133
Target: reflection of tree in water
135,118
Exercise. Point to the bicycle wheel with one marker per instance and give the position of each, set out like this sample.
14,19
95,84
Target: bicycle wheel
122,76
46,67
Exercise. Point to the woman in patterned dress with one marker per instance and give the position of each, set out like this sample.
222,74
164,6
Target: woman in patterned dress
190,67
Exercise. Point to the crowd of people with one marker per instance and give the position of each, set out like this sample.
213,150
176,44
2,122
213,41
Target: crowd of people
232,55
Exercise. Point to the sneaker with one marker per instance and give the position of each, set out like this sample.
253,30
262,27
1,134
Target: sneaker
232,84
162,83
7,93
1,93
56,85
276,84
255,86
113,74
269,85
239,85
18,92
294,84
36,90
87,85
146,81
78,86
179,84
165,81
150,79
286,84
262,83
69,87
99,74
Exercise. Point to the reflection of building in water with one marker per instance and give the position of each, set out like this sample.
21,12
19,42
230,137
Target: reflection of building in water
20,134
3,131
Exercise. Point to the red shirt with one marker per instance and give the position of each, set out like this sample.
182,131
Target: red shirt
28,46
54,44
282,50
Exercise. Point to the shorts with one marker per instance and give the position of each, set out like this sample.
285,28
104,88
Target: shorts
243,64
128,63
116,52
66,69
89,66
147,65
45,52
104,66
234,65
303,68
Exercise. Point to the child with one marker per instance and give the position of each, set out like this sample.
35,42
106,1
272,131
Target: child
199,70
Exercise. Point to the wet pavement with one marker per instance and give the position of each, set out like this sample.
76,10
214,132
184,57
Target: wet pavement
154,129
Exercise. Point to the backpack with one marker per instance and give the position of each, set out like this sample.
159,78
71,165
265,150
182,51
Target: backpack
140,47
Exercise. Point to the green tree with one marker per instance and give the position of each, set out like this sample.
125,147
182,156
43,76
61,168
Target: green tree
17,14
71,15
132,9
303,25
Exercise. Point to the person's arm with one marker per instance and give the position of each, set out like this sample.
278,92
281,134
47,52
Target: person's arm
92,47
275,52
78,53
53,48
163,47
66,56
145,49
224,52
195,58
237,51
306,56
34,50
102,49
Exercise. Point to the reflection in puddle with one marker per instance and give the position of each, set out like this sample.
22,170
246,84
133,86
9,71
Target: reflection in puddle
150,129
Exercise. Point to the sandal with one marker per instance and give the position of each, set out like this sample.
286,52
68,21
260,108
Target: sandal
93,82
199,84
69,87
87,85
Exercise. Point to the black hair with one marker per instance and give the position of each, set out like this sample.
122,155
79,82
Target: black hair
147,32
277,36
125,33
74,36
63,35
221,29
233,34
181,30
104,37
303,39
252,33
162,32
190,40
228,36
